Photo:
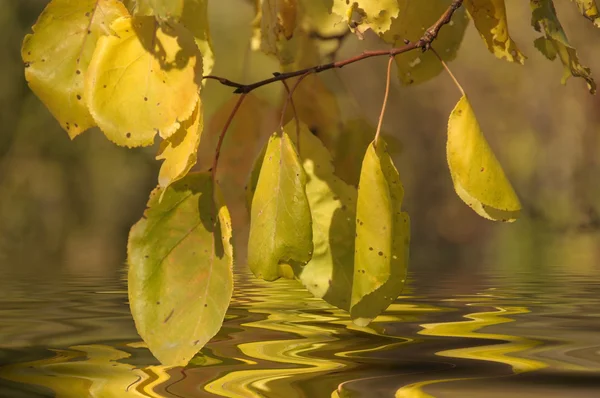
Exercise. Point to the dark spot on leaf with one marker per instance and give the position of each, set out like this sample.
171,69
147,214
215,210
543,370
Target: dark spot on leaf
205,305
169,316
87,14
145,98
78,72
370,248
89,32
380,253
27,64
75,124
196,342
79,97
482,169
128,135
28,52
43,59
158,303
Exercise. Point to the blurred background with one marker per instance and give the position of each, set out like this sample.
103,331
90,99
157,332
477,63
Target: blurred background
67,206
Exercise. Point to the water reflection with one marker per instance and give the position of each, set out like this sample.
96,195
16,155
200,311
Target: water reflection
68,337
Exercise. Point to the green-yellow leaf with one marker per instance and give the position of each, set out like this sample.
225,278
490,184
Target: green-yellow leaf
332,202
144,79
180,269
477,175
382,237
376,14
544,18
280,222
59,51
490,20
589,9
414,18
179,151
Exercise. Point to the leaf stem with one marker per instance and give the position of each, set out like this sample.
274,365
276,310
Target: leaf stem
385,99
449,72
222,136
291,100
424,43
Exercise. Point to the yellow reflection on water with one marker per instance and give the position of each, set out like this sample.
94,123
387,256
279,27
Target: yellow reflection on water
493,352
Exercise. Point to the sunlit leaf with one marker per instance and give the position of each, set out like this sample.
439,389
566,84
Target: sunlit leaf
332,202
589,9
414,18
382,237
545,20
180,269
490,20
193,14
144,79
179,151
376,14
280,223
59,51
477,175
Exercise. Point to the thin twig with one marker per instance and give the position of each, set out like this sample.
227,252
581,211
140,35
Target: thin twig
385,99
222,136
424,43
449,72
290,98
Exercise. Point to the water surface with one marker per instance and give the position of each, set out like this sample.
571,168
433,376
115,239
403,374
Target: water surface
516,334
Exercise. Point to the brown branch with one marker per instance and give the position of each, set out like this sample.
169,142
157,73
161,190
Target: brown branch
423,43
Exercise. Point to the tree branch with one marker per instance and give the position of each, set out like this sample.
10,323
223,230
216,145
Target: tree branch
424,43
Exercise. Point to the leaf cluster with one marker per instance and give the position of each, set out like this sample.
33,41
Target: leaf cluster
136,70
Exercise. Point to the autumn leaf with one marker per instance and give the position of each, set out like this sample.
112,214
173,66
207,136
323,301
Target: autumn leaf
144,79
382,237
478,177
490,20
280,222
179,151
180,269
58,52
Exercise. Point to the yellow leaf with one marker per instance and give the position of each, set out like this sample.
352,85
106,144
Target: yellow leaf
144,79
415,17
477,175
280,223
490,20
59,51
376,14
382,237
179,151
193,14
